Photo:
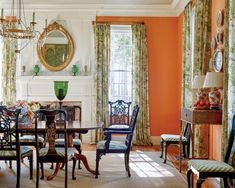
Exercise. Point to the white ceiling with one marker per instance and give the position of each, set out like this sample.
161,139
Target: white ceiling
111,2
106,7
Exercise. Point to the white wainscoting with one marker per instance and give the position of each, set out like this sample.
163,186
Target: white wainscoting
41,88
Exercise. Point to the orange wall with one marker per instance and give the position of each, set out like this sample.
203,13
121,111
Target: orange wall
215,130
163,42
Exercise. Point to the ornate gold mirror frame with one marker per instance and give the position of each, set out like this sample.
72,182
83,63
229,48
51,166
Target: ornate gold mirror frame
68,49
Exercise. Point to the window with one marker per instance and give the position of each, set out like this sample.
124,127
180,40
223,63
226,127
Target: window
120,77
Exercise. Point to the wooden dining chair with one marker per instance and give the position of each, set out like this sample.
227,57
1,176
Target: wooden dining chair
110,146
10,148
212,168
50,153
59,142
174,139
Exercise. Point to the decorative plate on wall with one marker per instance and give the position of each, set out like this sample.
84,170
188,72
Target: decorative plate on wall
219,18
219,37
217,60
213,43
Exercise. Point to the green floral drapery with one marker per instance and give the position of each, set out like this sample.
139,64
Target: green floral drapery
9,71
102,55
187,58
140,83
202,54
229,73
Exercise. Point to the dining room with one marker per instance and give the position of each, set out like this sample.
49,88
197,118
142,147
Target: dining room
132,93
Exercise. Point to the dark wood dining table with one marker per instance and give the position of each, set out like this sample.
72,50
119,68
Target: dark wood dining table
81,127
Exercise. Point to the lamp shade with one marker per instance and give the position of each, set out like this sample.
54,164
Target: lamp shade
213,80
198,81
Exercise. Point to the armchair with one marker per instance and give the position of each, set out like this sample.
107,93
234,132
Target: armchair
109,146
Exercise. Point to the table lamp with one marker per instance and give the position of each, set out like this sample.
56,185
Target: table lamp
214,80
60,89
202,101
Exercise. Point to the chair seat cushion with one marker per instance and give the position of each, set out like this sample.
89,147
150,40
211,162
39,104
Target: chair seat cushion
172,138
59,151
210,166
119,126
60,141
24,150
113,145
30,138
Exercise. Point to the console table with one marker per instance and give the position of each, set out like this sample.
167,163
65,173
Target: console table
195,117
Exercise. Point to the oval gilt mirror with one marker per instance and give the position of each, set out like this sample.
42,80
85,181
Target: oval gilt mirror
55,47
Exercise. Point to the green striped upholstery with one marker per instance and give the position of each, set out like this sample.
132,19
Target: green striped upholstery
113,145
210,166
60,141
24,150
60,151
30,138
172,138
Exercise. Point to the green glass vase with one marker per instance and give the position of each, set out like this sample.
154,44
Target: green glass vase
75,70
36,70
60,89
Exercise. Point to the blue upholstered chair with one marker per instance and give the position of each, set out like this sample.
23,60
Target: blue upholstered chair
10,148
109,146
212,168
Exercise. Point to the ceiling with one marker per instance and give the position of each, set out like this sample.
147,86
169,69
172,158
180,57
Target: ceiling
111,2
106,7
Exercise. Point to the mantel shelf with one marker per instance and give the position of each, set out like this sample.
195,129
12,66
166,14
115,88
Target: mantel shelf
51,77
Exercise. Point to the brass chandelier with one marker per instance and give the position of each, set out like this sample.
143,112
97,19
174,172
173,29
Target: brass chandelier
15,25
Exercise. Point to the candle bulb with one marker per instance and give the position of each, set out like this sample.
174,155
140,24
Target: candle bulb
2,13
45,23
33,17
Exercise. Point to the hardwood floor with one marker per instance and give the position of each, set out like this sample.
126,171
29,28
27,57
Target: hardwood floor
172,153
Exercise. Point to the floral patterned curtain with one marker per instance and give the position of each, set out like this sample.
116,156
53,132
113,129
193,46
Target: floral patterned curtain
202,54
9,71
229,72
102,55
140,83
187,58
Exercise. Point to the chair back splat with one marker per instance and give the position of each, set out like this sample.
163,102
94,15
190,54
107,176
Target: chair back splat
119,112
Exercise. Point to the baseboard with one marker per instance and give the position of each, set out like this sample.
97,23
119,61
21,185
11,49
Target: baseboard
155,140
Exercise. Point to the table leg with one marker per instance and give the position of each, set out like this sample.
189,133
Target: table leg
57,168
84,160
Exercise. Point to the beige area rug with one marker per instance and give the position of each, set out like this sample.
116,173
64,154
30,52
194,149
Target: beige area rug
147,170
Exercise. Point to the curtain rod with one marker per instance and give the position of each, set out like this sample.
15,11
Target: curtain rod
116,22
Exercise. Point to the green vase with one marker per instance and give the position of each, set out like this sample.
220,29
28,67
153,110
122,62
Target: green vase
75,70
36,70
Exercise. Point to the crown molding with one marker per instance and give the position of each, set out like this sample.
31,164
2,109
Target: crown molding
161,10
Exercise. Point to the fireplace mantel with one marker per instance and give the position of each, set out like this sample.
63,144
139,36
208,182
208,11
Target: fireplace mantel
41,88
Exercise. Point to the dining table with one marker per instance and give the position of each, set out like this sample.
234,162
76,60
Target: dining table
81,127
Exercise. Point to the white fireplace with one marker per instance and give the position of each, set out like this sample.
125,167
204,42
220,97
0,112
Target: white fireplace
41,89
